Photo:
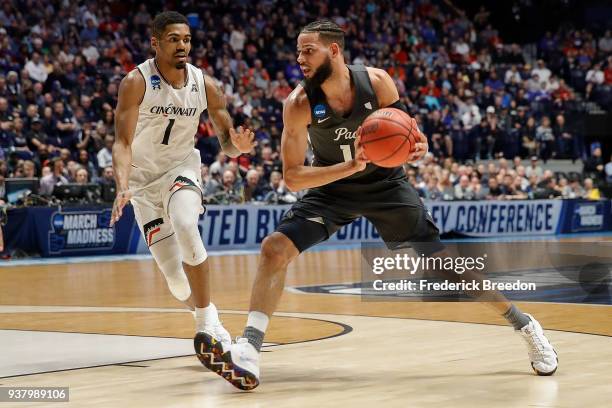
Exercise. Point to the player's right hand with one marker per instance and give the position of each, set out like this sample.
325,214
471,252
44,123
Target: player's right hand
361,160
243,139
123,197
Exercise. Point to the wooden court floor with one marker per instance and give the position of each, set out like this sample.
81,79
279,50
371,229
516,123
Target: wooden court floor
112,332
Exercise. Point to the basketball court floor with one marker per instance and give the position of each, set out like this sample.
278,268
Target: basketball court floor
109,329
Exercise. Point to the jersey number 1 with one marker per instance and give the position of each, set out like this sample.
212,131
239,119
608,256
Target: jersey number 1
167,133
346,152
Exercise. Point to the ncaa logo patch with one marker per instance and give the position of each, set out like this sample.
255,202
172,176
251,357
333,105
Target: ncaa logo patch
155,82
319,111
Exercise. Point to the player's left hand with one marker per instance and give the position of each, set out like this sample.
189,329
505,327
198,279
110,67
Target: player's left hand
243,139
123,197
420,148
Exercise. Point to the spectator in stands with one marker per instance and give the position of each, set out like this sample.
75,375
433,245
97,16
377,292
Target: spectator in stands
28,169
36,69
545,139
590,191
57,177
278,193
220,164
547,188
82,176
229,193
83,160
253,190
566,189
105,155
479,192
494,189
567,146
108,177
594,166
463,190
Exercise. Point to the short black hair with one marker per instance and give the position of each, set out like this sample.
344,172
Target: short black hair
328,31
158,26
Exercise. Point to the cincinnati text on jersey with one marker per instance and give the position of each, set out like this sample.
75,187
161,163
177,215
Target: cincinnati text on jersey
173,110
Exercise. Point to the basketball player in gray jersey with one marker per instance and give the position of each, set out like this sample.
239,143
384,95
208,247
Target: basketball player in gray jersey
327,109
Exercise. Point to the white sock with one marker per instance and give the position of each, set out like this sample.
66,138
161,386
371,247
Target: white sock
206,316
258,320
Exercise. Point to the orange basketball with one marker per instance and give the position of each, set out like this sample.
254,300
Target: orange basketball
388,137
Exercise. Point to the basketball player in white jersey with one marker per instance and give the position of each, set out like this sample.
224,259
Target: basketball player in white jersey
157,167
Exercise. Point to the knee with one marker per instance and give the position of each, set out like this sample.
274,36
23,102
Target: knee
184,226
276,251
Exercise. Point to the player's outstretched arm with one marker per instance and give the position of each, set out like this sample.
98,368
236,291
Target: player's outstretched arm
294,143
233,142
131,92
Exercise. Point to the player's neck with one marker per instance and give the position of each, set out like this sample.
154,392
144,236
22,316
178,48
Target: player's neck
176,77
338,84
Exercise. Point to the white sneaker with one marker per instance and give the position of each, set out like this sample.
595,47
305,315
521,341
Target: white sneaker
245,360
543,356
237,363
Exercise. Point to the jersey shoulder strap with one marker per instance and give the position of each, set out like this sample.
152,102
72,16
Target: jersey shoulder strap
199,84
153,81
365,94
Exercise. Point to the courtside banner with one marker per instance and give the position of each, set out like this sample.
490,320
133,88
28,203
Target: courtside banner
497,218
53,231
245,226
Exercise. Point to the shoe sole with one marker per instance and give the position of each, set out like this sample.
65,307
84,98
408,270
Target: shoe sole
210,353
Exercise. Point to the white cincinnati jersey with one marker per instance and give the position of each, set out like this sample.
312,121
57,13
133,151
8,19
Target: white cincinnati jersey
168,120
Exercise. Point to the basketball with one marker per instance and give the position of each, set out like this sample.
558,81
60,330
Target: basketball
388,137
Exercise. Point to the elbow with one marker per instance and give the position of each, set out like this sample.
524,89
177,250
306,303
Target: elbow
292,186
291,183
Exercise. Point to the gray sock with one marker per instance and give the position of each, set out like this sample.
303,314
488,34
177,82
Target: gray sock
516,318
254,336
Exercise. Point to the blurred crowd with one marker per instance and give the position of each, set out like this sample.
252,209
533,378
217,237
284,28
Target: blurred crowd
477,96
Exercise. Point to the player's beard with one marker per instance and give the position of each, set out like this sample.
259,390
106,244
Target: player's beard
180,65
321,74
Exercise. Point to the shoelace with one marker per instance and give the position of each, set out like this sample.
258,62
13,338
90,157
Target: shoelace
535,344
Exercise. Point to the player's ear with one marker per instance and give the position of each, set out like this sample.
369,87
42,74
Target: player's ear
335,49
154,42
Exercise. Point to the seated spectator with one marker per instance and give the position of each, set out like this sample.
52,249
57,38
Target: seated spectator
227,192
84,161
220,164
478,190
253,190
495,191
107,177
29,169
463,190
590,191
547,189
594,166
57,177
545,139
82,176
446,186
278,192
567,146
105,155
